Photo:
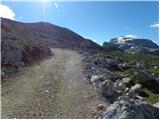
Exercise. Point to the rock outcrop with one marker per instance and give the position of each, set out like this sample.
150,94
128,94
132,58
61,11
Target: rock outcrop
127,108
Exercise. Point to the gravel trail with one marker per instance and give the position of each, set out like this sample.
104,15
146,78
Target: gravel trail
53,88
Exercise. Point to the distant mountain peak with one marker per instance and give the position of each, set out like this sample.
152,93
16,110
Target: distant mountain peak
133,44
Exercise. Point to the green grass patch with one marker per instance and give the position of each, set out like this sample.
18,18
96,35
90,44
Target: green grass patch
153,98
137,57
130,74
154,70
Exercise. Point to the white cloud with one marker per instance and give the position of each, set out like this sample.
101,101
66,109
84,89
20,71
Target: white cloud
154,25
6,12
131,36
123,39
56,5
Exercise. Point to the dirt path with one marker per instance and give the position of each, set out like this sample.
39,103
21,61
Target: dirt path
53,89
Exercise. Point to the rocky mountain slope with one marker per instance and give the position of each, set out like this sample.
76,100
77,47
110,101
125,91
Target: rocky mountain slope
134,45
26,43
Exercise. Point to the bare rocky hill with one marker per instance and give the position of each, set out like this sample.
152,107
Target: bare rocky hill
25,43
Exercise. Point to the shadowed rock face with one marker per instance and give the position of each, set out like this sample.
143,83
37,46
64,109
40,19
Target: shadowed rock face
29,42
110,46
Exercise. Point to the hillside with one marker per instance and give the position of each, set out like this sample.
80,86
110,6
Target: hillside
26,43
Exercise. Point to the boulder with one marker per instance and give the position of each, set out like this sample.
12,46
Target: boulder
126,81
100,107
124,98
3,74
107,88
139,65
14,54
130,109
96,79
119,59
149,81
11,56
126,90
126,66
144,77
113,64
136,88
139,97
119,85
22,63
156,105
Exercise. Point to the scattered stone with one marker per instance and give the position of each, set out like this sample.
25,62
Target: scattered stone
131,93
119,59
126,81
124,98
139,97
100,107
47,91
139,65
41,77
3,74
119,85
156,67
156,105
126,90
129,101
107,88
126,66
22,63
96,78
136,88
113,65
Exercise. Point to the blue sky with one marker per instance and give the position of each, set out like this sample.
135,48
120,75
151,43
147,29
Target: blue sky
98,21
